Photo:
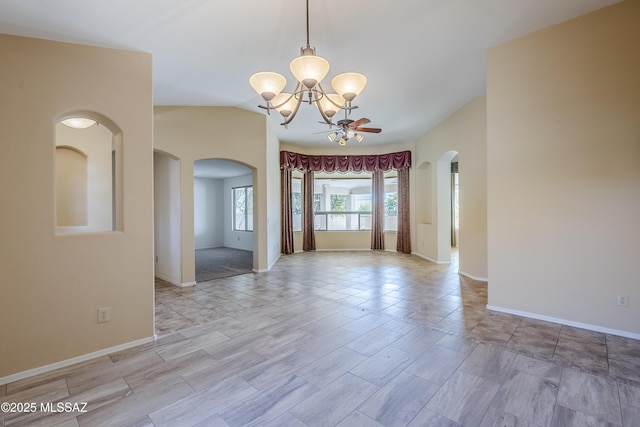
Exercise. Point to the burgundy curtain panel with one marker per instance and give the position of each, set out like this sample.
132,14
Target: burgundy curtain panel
403,237
286,212
377,210
308,233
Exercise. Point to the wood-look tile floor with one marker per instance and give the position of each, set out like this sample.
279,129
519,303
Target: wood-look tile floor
346,339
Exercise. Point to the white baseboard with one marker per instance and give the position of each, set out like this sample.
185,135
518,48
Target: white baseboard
64,363
270,266
429,259
479,279
595,328
265,270
175,282
168,279
343,250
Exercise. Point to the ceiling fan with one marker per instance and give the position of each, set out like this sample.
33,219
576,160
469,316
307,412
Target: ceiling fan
349,129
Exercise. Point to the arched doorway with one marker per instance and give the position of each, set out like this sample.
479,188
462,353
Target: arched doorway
223,218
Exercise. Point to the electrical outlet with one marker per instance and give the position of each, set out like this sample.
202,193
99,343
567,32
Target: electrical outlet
623,301
104,314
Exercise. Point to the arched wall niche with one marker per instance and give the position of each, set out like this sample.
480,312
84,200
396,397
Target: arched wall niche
100,195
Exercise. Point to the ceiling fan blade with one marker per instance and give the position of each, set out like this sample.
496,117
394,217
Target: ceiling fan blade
372,130
362,121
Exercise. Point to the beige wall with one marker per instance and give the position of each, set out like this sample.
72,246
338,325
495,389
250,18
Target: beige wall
563,107
357,240
52,285
463,133
193,133
272,165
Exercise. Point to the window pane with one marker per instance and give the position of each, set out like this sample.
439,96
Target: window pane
296,203
242,208
238,204
391,202
248,212
320,222
342,203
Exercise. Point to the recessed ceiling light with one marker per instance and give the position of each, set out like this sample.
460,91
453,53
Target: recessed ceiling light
79,122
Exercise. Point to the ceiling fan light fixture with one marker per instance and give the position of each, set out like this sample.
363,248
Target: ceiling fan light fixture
332,136
342,141
359,137
267,84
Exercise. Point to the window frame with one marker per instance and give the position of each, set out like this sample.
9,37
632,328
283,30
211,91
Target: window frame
248,215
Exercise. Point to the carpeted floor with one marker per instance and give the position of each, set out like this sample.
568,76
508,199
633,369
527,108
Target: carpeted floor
215,263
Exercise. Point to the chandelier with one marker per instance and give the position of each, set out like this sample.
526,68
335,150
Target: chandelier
309,70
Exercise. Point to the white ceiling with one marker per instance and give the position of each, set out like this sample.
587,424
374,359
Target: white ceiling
424,59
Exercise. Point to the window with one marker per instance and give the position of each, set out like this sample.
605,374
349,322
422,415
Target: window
342,203
391,201
296,203
242,208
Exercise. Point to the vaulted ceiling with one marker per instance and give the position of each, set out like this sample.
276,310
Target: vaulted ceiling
424,59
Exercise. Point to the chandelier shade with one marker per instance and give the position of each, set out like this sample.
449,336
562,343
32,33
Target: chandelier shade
285,104
309,69
267,84
349,85
330,104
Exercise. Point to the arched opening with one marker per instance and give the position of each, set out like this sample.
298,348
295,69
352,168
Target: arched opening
88,180
224,218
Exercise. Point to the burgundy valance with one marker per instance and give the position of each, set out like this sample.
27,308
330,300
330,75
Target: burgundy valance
345,163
